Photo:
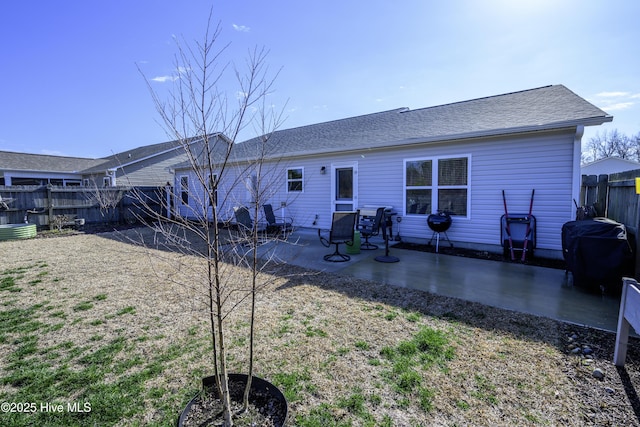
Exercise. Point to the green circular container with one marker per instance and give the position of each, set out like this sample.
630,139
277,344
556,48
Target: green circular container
355,248
17,231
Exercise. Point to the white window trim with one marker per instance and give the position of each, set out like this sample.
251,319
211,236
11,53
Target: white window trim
180,189
344,165
294,180
434,180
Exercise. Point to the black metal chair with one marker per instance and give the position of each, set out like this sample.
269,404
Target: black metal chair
368,226
244,222
273,224
342,231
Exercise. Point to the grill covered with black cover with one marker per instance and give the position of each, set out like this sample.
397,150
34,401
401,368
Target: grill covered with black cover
597,253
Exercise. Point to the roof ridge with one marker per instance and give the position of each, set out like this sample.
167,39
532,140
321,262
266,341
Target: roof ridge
395,110
482,98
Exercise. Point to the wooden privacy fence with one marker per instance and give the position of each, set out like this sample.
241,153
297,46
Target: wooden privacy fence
614,196
44,205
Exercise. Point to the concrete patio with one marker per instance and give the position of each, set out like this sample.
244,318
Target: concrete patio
536,290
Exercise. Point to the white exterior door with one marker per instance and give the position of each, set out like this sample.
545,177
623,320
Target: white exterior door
344,186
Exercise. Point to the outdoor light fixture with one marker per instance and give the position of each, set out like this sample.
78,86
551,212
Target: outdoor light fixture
323,170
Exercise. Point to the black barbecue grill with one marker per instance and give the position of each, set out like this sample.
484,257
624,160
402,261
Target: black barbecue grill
439,223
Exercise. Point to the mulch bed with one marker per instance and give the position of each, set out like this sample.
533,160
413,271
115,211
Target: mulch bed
479,254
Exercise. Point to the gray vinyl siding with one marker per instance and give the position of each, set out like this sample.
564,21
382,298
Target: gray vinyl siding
154,171
543,163
516,164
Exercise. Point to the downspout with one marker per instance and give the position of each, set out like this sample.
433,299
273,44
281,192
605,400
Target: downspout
112,174
577,176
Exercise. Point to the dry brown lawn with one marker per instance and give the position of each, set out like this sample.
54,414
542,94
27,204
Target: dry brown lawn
323,338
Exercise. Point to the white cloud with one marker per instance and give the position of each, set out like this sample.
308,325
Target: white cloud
616,100
618,106
163,79
612,94
241,28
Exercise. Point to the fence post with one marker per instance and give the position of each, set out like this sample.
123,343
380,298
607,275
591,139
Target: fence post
601,202
588,191
50,206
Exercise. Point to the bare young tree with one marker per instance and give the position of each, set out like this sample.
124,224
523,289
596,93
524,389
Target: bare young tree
205,120
611,144
106,198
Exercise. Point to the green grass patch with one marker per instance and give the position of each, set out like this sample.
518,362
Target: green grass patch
314,332
485,390
293,384
321,416
391,315
21,320
362,345
83,306
9,284
59,314
409,359
353,403
126,310
414,317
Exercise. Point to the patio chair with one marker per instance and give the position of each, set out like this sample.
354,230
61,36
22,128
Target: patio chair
272,223
342,231
244,221
369,225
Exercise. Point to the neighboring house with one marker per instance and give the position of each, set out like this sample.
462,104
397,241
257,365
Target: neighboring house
40,169
609,165
456,157
144,166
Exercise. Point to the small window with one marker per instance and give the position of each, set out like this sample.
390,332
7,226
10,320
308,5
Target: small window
106,181
295,177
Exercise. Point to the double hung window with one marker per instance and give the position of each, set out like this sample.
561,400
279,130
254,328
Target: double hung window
295,177
437,184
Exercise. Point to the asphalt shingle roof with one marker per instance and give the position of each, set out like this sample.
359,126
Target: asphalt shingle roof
548,107
41,162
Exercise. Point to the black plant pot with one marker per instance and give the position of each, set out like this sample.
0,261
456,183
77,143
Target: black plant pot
263,395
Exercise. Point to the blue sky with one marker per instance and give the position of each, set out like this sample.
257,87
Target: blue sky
70,83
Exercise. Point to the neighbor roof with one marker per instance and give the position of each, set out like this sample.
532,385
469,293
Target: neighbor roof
10,160
132,156
47,163
545,108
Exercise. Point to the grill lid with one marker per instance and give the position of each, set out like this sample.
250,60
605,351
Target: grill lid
439,222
